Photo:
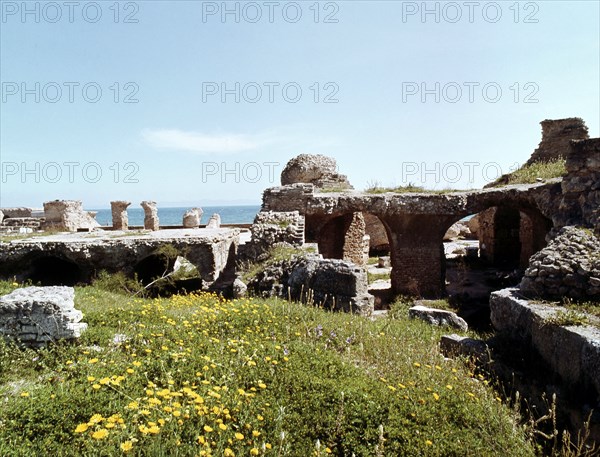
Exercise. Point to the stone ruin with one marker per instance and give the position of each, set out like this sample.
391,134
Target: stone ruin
191,218
329,283
68,215
150,215
120,221
21,220
35,316
271,228
556,135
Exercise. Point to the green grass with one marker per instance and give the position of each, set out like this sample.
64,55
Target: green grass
372,277
567,318
529,174
198,375
410,188
276,254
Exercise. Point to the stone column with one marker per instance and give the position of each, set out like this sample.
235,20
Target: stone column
119,214
417,253
150,215
214,221
191,218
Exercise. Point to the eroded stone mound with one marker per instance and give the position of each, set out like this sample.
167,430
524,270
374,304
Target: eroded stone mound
315,169
568,267
38,315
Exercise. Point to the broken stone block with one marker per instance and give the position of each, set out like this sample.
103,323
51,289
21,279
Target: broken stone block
37,315
437,317
67,215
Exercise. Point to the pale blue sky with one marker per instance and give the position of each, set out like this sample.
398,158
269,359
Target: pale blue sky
179,138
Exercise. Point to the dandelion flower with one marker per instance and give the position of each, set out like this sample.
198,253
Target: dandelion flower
239,436
208,428
24,394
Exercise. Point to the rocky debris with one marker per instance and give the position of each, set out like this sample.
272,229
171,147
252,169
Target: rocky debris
36,316
191,218
240,288
214,222
580,201
438,317
572,352
120,221
316,169
568,267
556,135
67,215
150,215
330,283
456,345
458,230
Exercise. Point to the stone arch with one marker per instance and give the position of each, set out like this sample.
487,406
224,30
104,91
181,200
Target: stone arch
340,236
152,266
54,270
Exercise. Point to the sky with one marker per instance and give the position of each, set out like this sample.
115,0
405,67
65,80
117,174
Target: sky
192,103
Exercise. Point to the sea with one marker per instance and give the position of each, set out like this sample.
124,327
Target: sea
174,216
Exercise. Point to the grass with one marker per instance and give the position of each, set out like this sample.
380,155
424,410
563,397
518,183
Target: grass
372,277
567,318
376,188
199,375
529,174
276,254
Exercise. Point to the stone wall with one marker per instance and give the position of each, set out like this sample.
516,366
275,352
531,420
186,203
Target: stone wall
354,241
580,202
35,316
556,135
270,228
572,352
568,267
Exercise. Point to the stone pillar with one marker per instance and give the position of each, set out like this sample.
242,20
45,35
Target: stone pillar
150,215
191,218
417,253
354,240
214,222
556,136
119,214
1,216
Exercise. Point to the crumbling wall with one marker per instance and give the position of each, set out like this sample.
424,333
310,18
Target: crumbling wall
556,135
580,202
